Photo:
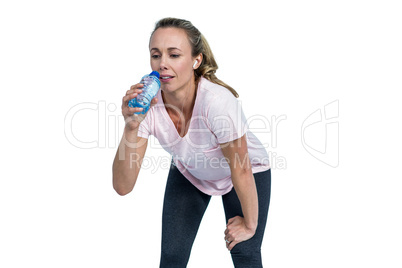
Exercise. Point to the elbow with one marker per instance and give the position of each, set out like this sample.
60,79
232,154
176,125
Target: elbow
246,171
122,190
243,172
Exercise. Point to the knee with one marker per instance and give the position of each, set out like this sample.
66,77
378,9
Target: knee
173,259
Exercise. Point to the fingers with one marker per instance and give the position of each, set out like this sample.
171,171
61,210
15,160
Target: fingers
230,242
133,116
134,89
233,220
231,245
131,94
128,97
136,86
236,232
154,101
229,238
127,110
134,110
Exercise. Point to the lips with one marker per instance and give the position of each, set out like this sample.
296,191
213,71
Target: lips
165,78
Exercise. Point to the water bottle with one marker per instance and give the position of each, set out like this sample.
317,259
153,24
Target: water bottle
151,86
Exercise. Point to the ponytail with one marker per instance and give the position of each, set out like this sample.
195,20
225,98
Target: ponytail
209,66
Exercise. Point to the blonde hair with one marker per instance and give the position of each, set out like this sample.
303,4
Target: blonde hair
199,45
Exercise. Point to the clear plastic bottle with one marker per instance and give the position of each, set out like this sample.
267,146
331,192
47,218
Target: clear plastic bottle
151,86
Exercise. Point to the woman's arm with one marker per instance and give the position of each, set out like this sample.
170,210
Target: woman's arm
238,228
131,151
127,162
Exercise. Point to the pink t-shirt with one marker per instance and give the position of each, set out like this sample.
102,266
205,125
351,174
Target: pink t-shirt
217,118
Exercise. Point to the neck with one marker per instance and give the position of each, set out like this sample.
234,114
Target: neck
181,100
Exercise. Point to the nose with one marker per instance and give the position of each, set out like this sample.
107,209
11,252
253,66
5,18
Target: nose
163,63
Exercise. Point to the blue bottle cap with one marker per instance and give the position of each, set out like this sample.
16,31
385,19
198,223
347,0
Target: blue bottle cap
155,73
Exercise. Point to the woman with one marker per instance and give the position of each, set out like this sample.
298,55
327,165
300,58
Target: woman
197,119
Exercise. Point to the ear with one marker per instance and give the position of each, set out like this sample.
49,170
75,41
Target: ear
197,61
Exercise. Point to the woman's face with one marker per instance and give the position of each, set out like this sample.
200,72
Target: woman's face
171,56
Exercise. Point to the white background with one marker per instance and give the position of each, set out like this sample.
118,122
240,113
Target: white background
285,58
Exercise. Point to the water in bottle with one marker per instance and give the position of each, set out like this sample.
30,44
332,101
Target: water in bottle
151,86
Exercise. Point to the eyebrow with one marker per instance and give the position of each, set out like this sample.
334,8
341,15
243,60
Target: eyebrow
170,48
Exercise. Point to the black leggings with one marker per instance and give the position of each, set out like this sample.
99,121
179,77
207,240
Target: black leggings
183,208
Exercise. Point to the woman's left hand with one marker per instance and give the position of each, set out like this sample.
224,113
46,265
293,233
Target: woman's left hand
236,232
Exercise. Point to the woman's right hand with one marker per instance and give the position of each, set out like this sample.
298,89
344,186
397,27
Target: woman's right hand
133,120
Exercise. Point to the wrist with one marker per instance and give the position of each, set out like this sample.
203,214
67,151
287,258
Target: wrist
130,134
251,226
130,131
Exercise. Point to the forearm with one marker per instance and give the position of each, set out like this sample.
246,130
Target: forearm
246,191
126,163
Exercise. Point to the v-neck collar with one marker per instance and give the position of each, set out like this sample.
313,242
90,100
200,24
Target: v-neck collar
165,113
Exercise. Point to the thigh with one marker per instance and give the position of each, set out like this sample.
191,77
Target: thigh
248,253
183,208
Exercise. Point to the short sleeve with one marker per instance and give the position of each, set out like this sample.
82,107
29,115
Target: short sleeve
144,130
226,118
